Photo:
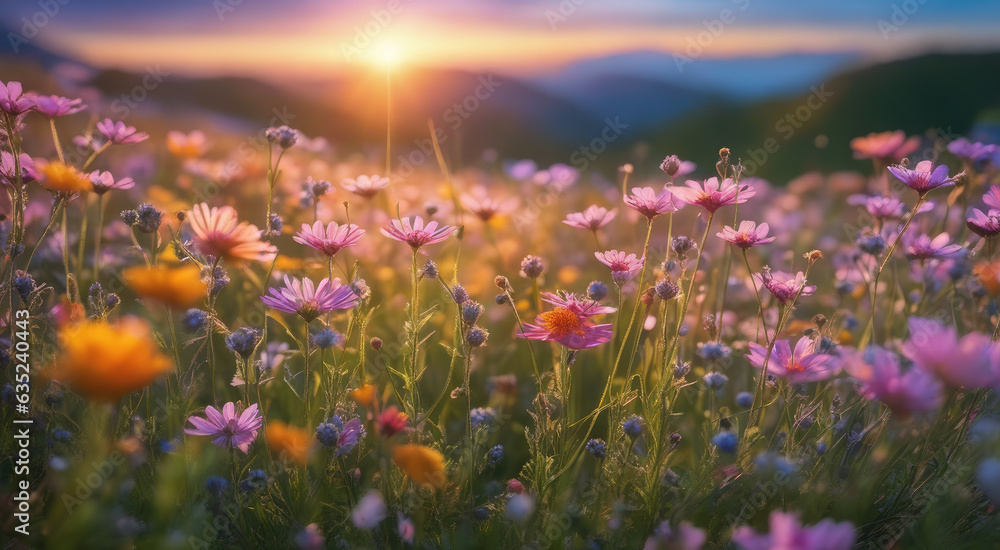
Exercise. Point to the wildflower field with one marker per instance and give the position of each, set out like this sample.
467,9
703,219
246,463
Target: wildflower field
298,349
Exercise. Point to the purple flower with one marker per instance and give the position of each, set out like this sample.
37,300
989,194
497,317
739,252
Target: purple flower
12,99
650,203
712,195
749,234
104,182
924,177
119,133
54,106
787,533
923,247
684,537
784,286
674,167
971,152
7,169
229,430
882,379
623,266
331,240
353,432
308,300
984,225
569,323
992,197
415,233
369,512
798,366
593,218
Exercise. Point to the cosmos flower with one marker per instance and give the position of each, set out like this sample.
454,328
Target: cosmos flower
569,323
415,234
103,182
878,370
119,133
229,430
593,218
177,287
309,300
8,174
421,464
187,146
992,197
12,99
712,195
365,186
798,366
651,204
885,146
392,421
330,241
288,441
784,286
923,247
486,208
924,177
623,266
219,233
749,234
350,436
63,178
787,533
106,362
971,152
55,106
984,225
971,361
674,167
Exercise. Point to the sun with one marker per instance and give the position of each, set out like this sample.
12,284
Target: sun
388,54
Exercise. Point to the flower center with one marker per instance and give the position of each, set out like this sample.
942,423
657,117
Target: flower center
561,322
795,367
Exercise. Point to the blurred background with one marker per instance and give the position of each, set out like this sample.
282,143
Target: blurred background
589,83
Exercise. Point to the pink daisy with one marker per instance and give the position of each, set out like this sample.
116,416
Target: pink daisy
593,218
54,106
984,225
885,146
104,182
623,266
883,380
415,233
971,361
749,235
365,186
12,98
119,133
308,300
798,366
229,430
486,208
218,233
651,204
924,178
784,286
923,247
331,240
569,322
712,195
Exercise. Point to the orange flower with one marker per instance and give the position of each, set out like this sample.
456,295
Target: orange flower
421,464
187,146
63,178
219,233
364,396
988,274
178,287
289,441
106,362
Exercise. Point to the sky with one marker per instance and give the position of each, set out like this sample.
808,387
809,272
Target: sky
316,38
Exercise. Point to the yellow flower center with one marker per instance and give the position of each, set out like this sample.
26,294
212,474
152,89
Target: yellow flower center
561,322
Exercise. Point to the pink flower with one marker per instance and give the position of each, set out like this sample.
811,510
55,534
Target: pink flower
881,379
119,133
54,106
799,366
924,177
230,431
749,235
650,203
923,247
486,208
104,182
8,171
308,300
365,186
684,537
218,233
712,195
331,241
886,146
674,167
416,234
623,266
984,225
406,528
569,323
787,533
12,99
992,197
593,218
784,286
971,361
369,512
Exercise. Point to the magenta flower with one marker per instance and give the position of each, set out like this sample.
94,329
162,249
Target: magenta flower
623,266
353,432
749,235
882,379
712,195
784,286
971,361
54,106
308,300
12,99
971,152
331,240
984,225
593,218
798,366
923,247
230,431
486,208
416,234
924,178
104,182
885,146
787,533
7,169
365,186
992,197
569,322
119,133
650,203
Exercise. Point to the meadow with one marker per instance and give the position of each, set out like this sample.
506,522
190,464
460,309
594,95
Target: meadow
219,341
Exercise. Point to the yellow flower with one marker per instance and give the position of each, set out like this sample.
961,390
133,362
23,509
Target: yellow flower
63,178
421,464
178,287
106,362
289,441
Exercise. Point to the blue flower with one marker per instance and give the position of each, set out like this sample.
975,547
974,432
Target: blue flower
744,399
255,481
597,291
243,341
326,338
327,433
482,416
598,448
821,448
60,434
495,454
714,351
715,380
194,320
633,426
477,336
216,485
725,442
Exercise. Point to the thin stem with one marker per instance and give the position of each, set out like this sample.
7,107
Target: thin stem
55,139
